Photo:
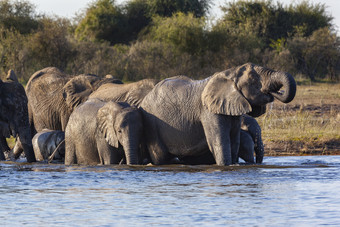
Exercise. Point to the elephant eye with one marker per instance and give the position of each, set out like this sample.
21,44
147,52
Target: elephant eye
119,131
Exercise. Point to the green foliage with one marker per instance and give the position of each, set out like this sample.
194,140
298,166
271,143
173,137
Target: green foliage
167,8
272,22
305,18
185,32
97,58
18,15
159,38
104,21
12,44
137,17
49,45
317,55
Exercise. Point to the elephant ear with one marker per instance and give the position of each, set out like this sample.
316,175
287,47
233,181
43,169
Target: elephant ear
221,96
78,89
105,124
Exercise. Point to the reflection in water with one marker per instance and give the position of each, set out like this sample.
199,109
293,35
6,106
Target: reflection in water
284,191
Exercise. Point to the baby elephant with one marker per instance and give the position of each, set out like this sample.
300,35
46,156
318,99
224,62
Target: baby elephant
103,133
49,145
250,140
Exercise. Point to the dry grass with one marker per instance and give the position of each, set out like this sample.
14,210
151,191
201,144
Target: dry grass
310,124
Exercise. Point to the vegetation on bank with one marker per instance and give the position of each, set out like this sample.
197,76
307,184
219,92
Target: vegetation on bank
310,124
158,39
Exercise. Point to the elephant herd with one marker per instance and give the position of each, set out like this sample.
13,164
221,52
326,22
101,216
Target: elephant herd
90,120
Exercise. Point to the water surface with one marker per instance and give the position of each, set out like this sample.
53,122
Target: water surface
284,191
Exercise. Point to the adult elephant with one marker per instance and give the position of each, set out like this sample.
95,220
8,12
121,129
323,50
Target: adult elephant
53,95
14,116
185,117
131,93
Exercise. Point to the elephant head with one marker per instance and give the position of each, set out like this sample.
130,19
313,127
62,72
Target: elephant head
78,89
121,124
14,113
247,89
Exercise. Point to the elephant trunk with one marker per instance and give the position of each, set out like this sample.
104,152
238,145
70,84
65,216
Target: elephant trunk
131,156
282,86
259,150
131,148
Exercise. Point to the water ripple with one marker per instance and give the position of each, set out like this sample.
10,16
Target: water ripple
291,191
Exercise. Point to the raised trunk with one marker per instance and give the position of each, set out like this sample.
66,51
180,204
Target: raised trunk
282,86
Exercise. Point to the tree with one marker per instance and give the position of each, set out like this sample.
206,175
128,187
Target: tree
272,22
166,8
185,32
18,15
137,17
317,55
49,46
103,21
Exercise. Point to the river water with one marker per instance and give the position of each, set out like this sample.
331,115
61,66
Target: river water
284,191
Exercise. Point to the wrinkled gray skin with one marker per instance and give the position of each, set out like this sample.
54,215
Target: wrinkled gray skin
246,150
250,142
14,116
53,95
103,133
132,93
185,117
46,142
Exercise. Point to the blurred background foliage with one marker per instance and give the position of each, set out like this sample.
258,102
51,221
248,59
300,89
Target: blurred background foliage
162,38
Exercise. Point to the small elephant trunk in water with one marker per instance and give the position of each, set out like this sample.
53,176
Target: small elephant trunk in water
131,158
131,152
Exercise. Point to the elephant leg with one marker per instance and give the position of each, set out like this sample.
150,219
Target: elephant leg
24,143
246,151
157,151
107,154
18,148
3,147
70,153
235,137
218,130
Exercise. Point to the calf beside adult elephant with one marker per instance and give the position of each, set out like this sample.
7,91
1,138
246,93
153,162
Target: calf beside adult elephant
185,117
14,116
103,133
53,95
250,143
49,145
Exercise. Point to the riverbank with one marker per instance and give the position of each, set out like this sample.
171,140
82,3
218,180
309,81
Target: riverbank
309,125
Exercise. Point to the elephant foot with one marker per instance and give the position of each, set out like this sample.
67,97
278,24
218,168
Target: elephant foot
11,156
